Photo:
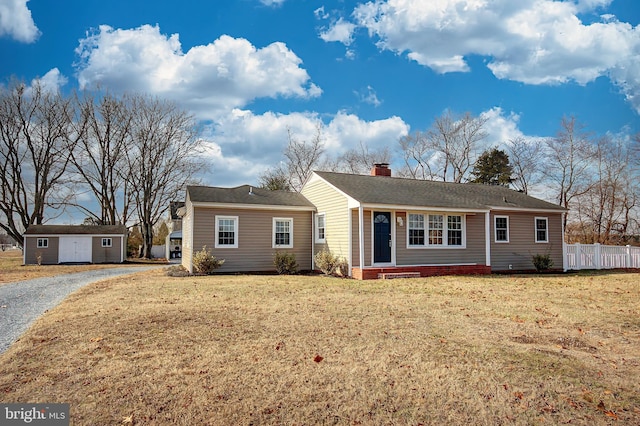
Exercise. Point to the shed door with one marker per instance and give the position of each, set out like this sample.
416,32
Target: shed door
381,237
74,250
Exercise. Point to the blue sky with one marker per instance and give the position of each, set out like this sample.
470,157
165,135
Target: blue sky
369,71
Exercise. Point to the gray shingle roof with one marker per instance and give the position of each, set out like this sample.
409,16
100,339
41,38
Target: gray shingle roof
422,193
76,229
246,194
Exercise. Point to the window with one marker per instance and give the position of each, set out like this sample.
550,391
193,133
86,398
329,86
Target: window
282,232
43,243
416,229
436,226
226,232
502,229
435,230
454,230
106,242
320,228
542,230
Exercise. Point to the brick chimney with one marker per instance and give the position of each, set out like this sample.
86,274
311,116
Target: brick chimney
381,169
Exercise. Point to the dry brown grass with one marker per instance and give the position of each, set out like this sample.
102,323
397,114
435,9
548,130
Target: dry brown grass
314,350
12,269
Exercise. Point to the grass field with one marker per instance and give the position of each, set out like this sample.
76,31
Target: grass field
153,350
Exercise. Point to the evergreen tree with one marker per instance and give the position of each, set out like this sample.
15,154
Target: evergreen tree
492,168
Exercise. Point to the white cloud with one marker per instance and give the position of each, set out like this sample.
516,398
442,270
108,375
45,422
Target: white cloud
274,3
227,73
369,96
340,31
530,41
52,81
245,144
16,21
500,127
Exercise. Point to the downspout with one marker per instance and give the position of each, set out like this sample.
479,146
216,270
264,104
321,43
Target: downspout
565,262
350,240
487,232
313,241
361,236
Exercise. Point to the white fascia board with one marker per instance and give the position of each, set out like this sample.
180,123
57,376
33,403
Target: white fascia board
422,208
351,202
71,235
528,210
252,206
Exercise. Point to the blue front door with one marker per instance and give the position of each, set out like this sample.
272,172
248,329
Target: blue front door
381,237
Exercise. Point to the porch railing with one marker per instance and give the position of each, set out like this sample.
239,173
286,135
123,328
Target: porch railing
598,256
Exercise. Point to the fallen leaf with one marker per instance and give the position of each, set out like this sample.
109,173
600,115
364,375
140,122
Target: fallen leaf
318,358
611,414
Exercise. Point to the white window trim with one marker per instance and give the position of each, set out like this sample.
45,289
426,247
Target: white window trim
535,229
235,232
317,231
273,232
424,229
109,241
42,243
495,229
445,232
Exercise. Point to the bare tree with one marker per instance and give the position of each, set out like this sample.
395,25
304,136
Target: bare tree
360,160
567,162
447,151
605,209
163,157
525,157
418,156
35,142
275,179
301,158
457,139
99,158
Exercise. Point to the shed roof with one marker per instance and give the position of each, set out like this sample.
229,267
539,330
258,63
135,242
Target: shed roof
76,230
385,190
247,194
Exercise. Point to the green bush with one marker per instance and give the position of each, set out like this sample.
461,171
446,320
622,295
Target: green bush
327,262
542,262
205,263
285,263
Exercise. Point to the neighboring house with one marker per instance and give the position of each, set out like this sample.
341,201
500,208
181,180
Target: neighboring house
173,242
245,226
53,244
383,226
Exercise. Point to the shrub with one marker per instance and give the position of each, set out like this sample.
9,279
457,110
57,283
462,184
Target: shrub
285,263
205,263
326,262
177,271
542,262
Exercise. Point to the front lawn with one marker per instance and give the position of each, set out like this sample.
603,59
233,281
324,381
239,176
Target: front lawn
151,349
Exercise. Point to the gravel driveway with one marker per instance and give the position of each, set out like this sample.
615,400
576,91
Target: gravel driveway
23,302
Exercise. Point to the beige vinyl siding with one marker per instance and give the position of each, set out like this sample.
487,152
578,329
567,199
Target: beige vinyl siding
49,254
255,238
522,245
111,254
187,236
473,253
335,207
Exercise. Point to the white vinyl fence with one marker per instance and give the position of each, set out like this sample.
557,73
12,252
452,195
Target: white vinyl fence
597,256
